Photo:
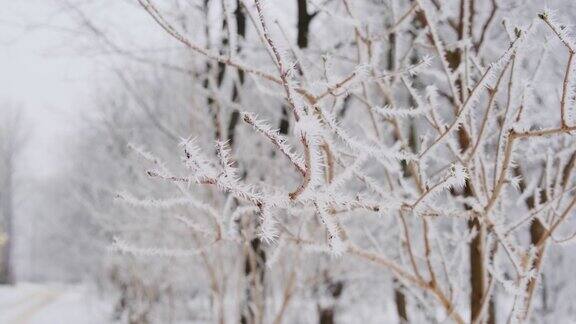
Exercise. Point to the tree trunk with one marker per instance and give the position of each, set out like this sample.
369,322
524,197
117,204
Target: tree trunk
327,313
254,271
537,230
400,301
7,210
477,269
304,19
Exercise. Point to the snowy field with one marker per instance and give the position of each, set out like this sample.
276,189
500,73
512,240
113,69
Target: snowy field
29,303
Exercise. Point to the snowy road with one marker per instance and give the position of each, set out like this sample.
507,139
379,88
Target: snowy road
50,304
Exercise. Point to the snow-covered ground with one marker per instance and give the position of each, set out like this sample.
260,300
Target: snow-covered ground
29,303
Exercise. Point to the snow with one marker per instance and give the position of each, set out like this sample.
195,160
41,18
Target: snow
30,303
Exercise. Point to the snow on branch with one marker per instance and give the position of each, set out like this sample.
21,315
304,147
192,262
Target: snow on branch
165,203
561,30
122,246
276,138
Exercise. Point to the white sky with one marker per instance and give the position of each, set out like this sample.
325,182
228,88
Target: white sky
50,66
39,72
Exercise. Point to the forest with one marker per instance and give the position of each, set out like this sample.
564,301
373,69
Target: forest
294,161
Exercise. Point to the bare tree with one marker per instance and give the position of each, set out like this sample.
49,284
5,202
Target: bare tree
11,143
411,138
